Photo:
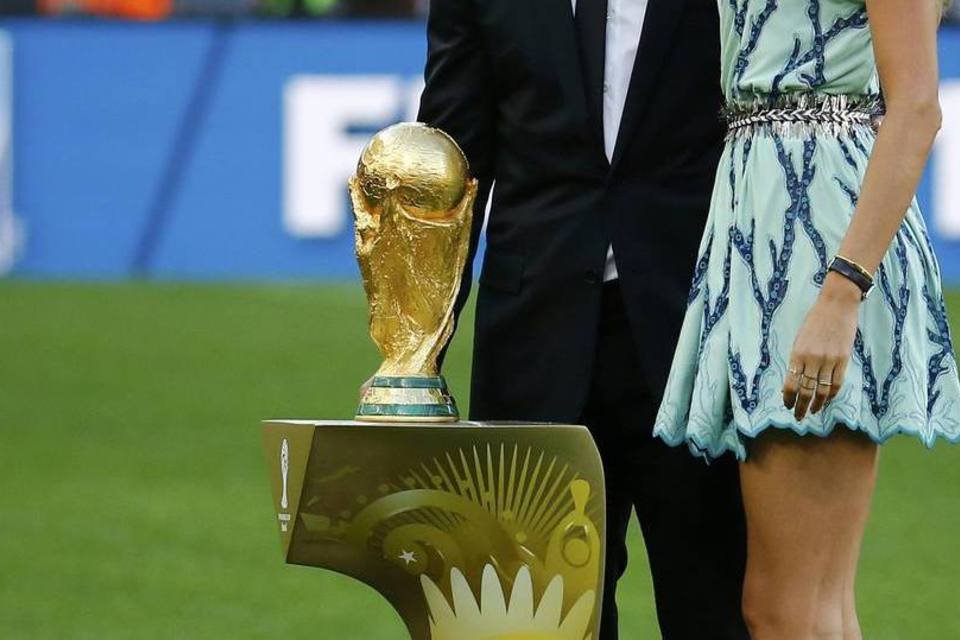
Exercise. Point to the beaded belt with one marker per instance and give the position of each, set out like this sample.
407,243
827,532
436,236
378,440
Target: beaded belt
803,114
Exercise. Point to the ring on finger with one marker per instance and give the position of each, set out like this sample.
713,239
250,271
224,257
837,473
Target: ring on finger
825,383
805,380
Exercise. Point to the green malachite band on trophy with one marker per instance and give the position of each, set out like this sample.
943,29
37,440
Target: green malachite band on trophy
409,382
411,410
422,398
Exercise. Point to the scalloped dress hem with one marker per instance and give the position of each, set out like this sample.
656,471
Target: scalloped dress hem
710,451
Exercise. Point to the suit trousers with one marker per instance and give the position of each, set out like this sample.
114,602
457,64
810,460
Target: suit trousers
690,513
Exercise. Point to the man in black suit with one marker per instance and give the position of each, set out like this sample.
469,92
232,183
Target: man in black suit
603,145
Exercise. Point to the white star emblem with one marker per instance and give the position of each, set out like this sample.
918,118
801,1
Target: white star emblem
408,556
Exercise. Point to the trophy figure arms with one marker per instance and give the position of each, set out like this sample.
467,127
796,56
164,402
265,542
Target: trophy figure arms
411,269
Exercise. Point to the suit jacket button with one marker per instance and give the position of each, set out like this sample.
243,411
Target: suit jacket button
592,277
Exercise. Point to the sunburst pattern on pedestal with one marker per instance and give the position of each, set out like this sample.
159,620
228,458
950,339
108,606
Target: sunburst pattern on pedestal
494,617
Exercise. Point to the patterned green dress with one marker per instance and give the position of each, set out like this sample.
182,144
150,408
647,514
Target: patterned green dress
783,200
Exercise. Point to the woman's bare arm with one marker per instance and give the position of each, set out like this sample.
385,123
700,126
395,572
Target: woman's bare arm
905,44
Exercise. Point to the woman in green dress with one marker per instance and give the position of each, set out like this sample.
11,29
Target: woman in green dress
784,360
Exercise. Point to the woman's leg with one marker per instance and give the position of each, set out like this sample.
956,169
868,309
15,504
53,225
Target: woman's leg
807,500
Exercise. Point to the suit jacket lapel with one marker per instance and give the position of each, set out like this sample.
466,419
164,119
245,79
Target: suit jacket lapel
660,23
560,38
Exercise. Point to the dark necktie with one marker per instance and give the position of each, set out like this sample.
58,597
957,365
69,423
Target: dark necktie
591,22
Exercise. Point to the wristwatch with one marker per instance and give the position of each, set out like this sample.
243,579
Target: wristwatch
854,273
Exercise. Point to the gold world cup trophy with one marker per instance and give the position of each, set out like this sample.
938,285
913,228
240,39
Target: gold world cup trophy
413,203
472,531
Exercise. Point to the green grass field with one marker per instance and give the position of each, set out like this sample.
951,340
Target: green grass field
134,499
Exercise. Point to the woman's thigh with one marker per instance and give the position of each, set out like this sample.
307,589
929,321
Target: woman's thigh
807,500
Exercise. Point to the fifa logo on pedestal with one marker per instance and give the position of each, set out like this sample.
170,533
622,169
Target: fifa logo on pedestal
284,477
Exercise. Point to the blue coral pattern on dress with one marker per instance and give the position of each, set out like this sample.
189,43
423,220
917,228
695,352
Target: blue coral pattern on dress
713,314
817,51
783,201
756,30
939,335
899,305
770,301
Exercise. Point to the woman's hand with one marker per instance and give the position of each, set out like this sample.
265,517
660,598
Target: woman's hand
822,349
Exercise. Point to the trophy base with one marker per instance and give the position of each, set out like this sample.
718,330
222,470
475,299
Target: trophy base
422,399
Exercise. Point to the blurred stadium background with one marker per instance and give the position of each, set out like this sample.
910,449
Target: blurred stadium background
175,234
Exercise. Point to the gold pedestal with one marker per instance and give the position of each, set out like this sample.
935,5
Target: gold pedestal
471,531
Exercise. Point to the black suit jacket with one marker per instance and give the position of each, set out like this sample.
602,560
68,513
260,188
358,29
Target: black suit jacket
503,77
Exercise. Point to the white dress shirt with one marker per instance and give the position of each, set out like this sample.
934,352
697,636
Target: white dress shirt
624,26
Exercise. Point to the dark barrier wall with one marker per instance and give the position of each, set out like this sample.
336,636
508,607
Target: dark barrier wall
200,150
